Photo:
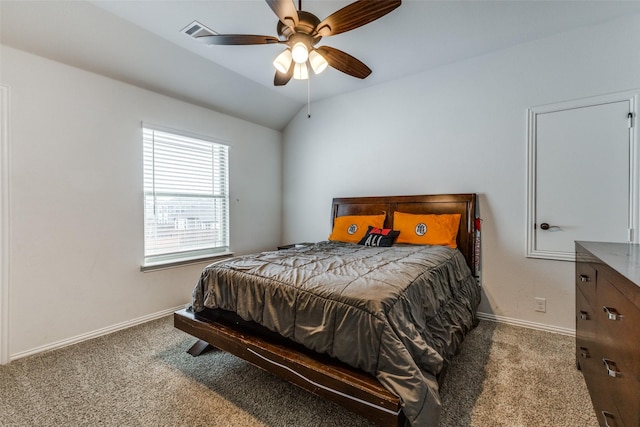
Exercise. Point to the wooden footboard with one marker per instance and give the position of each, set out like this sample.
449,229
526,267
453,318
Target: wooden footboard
321,375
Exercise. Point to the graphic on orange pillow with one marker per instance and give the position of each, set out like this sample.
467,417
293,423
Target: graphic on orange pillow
380,237
428,229
352,228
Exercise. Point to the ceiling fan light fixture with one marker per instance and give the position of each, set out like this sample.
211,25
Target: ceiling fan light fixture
300,53
300,32
300,71
317,61
283,61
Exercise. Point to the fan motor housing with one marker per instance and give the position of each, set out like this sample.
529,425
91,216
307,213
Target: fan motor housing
307,23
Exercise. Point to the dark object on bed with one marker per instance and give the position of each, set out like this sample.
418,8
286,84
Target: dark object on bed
422,347
382,237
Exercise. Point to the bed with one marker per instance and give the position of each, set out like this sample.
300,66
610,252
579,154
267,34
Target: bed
377,342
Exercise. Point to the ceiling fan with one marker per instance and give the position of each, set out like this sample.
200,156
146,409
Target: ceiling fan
301,31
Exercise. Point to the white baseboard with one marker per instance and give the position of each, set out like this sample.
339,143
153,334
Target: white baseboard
527,324
96,333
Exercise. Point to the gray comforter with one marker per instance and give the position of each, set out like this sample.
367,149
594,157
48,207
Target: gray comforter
398,313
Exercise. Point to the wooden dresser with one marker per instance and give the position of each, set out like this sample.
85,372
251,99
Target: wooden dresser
608,329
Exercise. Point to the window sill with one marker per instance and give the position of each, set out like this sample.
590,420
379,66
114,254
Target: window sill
162,265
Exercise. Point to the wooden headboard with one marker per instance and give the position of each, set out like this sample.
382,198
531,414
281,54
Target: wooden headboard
464,204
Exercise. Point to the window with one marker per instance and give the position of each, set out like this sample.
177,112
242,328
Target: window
186,197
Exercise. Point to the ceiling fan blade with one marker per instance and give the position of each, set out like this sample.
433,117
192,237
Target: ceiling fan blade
344,62
286,12
282,79
355,15
237,39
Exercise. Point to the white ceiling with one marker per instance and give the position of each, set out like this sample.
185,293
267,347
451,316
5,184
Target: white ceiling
140,42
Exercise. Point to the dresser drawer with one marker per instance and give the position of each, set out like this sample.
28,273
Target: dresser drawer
607,392
619,345
618,326
586,279
614,399
602,392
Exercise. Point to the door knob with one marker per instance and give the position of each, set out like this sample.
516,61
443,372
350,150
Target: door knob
546,226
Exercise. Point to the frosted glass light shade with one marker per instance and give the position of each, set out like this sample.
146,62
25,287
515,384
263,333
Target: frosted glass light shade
283,61
300,71
299,53
318,63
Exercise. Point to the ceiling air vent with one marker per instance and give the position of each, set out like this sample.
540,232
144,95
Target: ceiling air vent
196,29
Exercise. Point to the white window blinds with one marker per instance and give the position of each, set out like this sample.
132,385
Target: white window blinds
186,196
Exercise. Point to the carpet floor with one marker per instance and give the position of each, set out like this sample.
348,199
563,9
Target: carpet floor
142,376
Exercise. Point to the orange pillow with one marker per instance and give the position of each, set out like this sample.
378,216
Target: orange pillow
427,229
352,228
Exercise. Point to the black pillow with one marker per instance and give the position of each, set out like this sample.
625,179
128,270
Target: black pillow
379,237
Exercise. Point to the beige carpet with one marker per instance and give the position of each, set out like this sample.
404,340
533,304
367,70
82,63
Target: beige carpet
504,376
516,377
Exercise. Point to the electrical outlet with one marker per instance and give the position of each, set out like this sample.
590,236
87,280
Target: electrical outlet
541,305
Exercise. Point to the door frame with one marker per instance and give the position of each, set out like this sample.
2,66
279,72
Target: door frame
4,225
632,97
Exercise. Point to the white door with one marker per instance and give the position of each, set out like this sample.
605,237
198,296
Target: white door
582,187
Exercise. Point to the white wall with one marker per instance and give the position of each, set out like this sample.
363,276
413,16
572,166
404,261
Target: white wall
76,199
459,128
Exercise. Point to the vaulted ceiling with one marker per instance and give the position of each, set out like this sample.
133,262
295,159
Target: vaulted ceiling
140,42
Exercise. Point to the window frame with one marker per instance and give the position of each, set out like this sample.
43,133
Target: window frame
176,259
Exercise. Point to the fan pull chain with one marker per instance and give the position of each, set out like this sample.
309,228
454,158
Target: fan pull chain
309,96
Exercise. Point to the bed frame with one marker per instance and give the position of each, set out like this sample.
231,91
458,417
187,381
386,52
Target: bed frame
320,374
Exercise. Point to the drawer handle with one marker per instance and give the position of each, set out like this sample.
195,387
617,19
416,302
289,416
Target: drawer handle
584,278
611,368
608,416
612,313
584,315
584,352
